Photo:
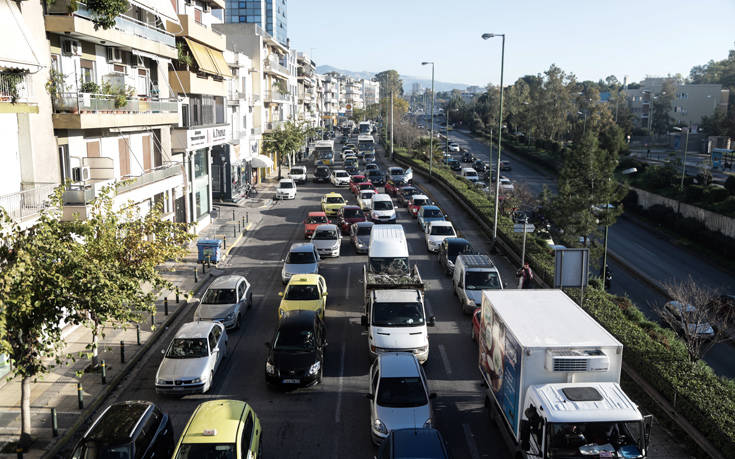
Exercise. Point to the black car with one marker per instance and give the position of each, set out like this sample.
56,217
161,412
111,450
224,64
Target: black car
321,174
426,443
296,354
405,193
479,165
376,177
467,157
454,165
449,249
129,429
352,170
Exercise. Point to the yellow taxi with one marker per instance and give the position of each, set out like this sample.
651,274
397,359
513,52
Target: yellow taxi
304,292
221,428
332,202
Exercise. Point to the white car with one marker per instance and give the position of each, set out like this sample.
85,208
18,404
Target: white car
286,189
382,209
453,147
340,177
436,232
365,199
327,239
225,301
297,174
506,184
191,360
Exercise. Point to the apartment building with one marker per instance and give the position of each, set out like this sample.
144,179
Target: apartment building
307,110
370,92
30,162
270,15
112,105
331,92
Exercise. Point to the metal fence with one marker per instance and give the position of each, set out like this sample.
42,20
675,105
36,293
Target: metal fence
23,87
276,96
27,203
87,102
170,169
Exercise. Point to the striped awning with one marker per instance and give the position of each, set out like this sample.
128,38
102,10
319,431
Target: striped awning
209,59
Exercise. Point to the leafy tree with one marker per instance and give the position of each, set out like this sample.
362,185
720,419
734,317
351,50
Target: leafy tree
284,142
105,12
389,81
554,102
662,103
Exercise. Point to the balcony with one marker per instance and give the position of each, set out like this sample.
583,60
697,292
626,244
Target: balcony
24,205
275,96
23,94
273,125
273,66
233,96
256,131
188,82
170,169
127,31
199,32
92,111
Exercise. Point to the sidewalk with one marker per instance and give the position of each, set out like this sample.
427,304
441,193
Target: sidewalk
58,389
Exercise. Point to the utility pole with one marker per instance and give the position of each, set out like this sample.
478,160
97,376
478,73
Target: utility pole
431,140
391,125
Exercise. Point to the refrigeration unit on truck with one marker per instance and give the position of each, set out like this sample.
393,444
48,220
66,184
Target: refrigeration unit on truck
552,376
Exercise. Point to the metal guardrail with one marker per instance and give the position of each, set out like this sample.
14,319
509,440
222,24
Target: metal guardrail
154,175
87,102
27,203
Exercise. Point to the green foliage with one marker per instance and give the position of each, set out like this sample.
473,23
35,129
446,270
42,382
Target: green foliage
12,78
662,122
284,141
282,86
89,86
183,56
105,12
389,81
56,85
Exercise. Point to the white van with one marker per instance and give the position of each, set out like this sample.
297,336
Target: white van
388,251
470,174
472,275
382,209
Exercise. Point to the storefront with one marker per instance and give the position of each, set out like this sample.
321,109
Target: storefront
230,174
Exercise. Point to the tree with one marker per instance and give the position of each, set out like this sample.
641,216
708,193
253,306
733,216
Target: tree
105,12
662,121
389,81
284,142
699,314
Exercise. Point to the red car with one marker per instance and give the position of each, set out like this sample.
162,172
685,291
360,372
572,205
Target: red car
349,215
313,220
392,186
476,324
415,203
366,185
354,181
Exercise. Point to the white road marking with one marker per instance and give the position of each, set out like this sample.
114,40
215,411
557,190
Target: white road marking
445,359
468,437
337,413
347,290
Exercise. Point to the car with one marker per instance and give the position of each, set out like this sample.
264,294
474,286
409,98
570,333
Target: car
506,184
396,174
364,185
416,201
354,180
349,215
369,158
469,174
327,240
332,202
365,199
454,147
349,146
467,157
376,177
192,359
134,428
454,165
505,165
352,170
302,258
519,216
226,300
449,249
314,219
404,194
304,292
296,351
436,232
370,167
360,236
286,189
399,395
382,209
297,174
350,161
479,165
476,324
349,153
221,429
340,177
392,186
424,443
447,158
321,174
428,214
687,318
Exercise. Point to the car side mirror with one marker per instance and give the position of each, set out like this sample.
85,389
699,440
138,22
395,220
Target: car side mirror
432,396
324,294
163,351
364,320
216,349
432,321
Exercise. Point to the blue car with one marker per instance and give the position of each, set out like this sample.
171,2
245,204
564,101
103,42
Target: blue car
429,214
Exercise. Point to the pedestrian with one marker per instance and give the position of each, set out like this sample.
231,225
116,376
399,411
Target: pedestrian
525,276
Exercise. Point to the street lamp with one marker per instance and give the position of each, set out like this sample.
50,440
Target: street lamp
431,139
684,163
485,36
629,171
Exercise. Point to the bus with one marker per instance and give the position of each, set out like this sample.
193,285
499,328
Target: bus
365,144
324,152
365,127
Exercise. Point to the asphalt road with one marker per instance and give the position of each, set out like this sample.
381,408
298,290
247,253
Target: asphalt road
651,254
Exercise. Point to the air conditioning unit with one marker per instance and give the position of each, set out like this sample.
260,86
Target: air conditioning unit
114,54
577,360
80,174
71,48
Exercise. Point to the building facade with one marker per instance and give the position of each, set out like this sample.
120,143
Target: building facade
271,15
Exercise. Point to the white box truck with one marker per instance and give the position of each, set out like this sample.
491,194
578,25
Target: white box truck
552,376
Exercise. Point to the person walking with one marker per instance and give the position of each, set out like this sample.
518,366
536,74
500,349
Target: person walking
525,276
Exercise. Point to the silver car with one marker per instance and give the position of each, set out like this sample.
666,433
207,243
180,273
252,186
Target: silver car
327,239
399,395
302,258
191,360
225,300
360,236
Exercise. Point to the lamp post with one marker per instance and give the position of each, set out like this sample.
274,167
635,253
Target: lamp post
684,163
391,126
431,139
485,36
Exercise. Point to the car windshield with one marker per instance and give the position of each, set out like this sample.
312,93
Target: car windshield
389,265
432,213
301,258
353,213
220,296
187,348
581,439
206,450
322,171
302,293
366,186
91,450
442,230
408,192
396,171
325,235
294,340
364,230
455,249
401,392
366,195
341,174
317,219
470,174
397,314
420,202
382,205
357,179
480,280
285,185
296,171
335,200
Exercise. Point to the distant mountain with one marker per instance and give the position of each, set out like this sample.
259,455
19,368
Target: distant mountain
408,80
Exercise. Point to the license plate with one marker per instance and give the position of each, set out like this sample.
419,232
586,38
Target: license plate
291,381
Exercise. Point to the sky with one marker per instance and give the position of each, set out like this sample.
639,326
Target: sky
589,38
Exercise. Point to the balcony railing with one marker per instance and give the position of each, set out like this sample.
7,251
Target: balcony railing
273,64
256,131
22,88
271,125
85,102
169,169
27,203
276,96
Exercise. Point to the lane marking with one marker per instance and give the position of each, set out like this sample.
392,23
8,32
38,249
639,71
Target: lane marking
347,289
337,413
469,439
445,359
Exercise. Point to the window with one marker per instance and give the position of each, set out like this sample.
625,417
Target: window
202,201
212,340
247,435
201,165
216,332
87,71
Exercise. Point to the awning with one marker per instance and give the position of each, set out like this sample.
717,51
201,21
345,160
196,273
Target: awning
162,8
261,161
202,56
20,55
219,61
